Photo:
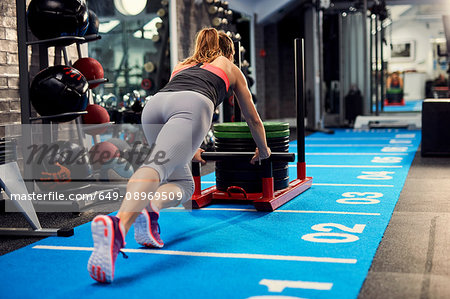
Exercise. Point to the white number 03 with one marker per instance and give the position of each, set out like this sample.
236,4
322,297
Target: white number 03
326,236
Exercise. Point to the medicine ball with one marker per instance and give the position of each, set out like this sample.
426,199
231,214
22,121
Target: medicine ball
101,153
96,114
61,166
116,170
54,18
91,69
94,23
59,89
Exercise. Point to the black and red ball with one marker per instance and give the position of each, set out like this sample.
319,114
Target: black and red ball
59,89
55,18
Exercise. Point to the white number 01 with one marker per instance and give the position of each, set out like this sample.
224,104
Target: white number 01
326,236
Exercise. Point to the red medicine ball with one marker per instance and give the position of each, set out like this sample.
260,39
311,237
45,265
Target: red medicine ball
96,114
91,69
103,152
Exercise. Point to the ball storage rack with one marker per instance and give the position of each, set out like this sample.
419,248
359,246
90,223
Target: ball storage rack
268,200
11,180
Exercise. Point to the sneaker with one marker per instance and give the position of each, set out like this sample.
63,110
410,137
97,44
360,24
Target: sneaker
108,238
146,229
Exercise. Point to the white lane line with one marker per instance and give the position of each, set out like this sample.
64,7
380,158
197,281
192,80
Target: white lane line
351,185
282,211
216,254
353,145
349,166
352,138
356,154
326,184
278,286
327,212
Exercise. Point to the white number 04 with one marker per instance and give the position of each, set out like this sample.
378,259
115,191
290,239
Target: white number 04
326,236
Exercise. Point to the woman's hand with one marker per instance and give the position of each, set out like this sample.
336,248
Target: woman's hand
198,156
260,156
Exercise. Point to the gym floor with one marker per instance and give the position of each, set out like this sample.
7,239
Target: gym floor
411,261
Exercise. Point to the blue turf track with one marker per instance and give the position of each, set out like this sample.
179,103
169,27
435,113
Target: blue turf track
247,253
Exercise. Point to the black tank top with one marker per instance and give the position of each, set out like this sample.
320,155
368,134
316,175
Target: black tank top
206,79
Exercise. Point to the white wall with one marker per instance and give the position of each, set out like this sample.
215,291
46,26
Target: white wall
422,32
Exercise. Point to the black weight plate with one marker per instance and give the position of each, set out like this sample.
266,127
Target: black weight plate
248,175
236,166
248,149
269,126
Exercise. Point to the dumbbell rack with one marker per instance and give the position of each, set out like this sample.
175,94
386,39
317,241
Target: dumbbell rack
268,200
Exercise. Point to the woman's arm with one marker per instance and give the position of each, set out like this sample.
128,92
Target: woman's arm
248,109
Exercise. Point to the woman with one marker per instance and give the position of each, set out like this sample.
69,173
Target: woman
394,81
184,107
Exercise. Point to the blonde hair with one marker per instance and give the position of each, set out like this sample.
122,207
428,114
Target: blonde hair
226,44
208,46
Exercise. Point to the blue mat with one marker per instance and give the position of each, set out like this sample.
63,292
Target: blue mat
319,245
410,106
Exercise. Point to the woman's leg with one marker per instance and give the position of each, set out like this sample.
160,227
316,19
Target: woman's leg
144,181
189,117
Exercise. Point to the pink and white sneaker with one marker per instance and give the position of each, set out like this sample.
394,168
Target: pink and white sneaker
146,229
108,237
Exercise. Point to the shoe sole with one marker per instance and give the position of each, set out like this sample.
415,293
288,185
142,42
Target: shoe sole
142,232
100,264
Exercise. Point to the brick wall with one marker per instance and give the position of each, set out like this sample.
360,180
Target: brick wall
9,65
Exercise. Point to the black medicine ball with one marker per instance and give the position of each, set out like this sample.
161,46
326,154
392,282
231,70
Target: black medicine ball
59,89
54,18
94,23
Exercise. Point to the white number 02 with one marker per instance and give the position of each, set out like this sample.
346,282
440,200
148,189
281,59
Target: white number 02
326,236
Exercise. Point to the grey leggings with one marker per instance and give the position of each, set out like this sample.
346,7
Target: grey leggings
176,123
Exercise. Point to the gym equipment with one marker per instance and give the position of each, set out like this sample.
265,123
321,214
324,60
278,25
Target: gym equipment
242,127
268,199
59,89
61,166
411,121
91,69
231,173
116,170
96,114
12,182
101,153
54,18
94,23
121,144
394,97
435,128
96,120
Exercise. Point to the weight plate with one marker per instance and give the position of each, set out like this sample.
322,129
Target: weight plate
246,140
236,166
269,126
278,149
249,145
248,135
248,175
394,91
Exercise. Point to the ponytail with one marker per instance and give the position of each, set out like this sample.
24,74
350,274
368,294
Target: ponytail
207,47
